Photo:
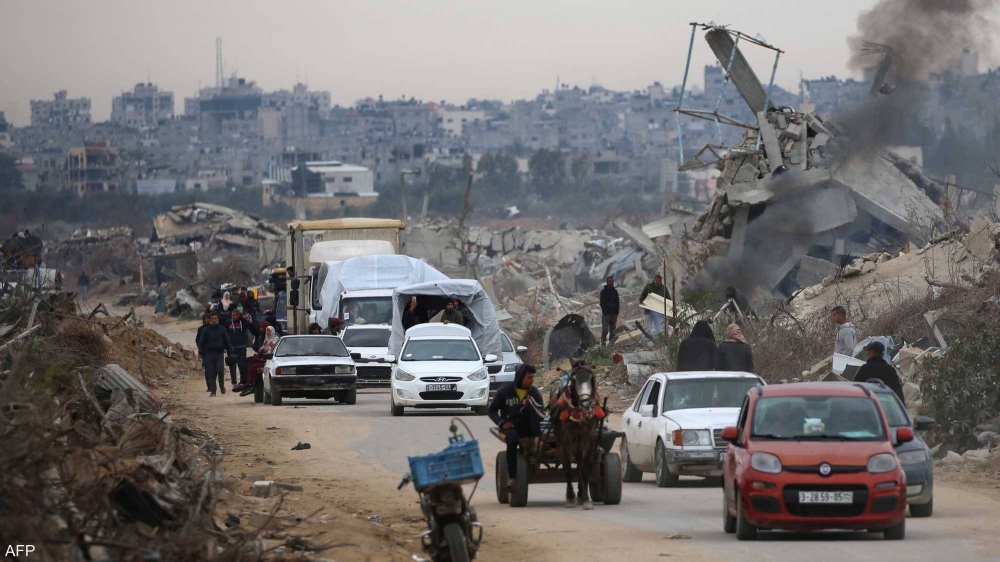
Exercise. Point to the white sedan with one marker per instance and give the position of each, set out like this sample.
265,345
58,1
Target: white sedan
674,426
310,367
440,366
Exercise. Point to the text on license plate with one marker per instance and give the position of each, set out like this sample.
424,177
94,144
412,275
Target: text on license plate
432,387
826,497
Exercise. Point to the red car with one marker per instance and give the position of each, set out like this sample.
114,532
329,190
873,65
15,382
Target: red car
810,456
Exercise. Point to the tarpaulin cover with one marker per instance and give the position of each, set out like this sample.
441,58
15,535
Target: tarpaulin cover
370,272
485,329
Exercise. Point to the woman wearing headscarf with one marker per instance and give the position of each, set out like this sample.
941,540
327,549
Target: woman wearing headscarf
226,305
698,351
735,354
256,364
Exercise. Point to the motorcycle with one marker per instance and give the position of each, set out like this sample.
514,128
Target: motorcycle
453,530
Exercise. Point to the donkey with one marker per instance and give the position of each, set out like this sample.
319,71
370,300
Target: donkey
573,413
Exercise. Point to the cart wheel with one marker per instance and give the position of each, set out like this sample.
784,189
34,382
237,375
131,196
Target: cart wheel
519,486
502,478
612,473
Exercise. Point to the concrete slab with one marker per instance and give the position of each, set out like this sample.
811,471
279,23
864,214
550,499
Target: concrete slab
739,237
741,73
816,210
636,236
812,271
770,137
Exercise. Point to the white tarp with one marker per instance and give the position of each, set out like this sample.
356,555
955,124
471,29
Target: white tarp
485,329
370,272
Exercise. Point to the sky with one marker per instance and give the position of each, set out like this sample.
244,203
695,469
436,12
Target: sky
429,49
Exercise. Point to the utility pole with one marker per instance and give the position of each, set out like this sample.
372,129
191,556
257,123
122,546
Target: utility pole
402,188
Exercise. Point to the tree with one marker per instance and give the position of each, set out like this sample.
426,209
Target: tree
10,177
580,170
498,174
548,172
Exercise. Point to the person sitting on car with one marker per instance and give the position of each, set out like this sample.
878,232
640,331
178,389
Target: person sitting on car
514,415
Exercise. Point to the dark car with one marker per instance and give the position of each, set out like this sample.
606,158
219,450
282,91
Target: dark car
915,456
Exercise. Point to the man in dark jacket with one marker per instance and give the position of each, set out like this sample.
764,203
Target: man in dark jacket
734,353
239,327
197,338
515,418
610,306
654,320
413,315
452,316
213,343
465,312
698,351
877,368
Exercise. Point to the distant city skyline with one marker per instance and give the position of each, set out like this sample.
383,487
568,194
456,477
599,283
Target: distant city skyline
435,50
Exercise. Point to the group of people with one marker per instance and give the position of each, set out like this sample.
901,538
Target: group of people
699,352
455,312
876,367
229,328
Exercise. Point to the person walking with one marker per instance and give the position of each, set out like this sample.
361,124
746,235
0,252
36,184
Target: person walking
610,306
876,368
239,327
698,352
161,299
654,320
734,353
846,338
83,285
213,343
197,342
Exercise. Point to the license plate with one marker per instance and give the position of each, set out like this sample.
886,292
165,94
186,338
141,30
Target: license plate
432,387
493,379
315,381
722,457
826,497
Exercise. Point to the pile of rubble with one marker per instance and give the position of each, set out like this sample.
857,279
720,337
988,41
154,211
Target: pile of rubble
201,225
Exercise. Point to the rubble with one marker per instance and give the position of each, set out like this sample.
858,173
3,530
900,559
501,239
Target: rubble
201,225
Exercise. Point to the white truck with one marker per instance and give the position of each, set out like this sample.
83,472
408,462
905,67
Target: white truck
310,244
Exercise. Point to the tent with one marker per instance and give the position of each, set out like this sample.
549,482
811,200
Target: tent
434,295
369,272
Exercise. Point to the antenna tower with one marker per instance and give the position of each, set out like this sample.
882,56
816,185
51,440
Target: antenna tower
218,63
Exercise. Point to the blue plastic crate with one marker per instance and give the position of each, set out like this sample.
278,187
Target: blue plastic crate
460,463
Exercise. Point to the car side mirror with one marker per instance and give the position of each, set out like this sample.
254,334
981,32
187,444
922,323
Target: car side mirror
904,435
521,349
646,411
490,358
730,434
267,356
923,423
389,359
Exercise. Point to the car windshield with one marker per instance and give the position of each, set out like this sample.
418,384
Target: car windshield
367,338
329,346
894,413
816,418
505,344
706,393
366,310
440,350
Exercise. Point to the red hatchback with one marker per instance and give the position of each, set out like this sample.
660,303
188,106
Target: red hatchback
813,456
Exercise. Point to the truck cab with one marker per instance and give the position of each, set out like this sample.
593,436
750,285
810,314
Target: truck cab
367,306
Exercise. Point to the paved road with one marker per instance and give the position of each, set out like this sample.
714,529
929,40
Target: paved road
692,509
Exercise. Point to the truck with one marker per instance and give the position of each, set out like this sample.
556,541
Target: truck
310,244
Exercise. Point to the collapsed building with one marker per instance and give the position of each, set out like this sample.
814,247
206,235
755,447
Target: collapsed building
799,196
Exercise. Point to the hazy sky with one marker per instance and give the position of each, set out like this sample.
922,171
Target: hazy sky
429,49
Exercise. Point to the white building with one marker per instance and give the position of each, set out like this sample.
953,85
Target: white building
453,120
62,110
336,178
145,106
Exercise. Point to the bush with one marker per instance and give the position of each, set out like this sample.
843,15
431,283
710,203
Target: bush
962,388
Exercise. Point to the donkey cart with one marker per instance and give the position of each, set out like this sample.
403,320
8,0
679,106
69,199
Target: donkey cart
544,466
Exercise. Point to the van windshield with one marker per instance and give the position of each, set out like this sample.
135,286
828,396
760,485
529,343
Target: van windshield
366,310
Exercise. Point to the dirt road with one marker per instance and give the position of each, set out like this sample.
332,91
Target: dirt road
358,454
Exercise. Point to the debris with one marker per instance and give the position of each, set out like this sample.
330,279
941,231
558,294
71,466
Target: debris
976,455
678,536
302,446
951,457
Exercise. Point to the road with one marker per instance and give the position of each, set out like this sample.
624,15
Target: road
359,453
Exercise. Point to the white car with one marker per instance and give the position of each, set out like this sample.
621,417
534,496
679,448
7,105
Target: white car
674,426
501,374
440,366
310,367
369,347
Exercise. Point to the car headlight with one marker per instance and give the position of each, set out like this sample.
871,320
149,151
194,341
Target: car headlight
510,367
692,437
765,462
343,369
479,375
882,462
913,457
402,375
285,371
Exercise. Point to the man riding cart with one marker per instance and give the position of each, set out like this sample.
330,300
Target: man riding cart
512,411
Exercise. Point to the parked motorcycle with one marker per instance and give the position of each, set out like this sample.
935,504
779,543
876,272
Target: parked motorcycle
453,530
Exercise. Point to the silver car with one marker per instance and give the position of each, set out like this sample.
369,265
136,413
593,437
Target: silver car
503,371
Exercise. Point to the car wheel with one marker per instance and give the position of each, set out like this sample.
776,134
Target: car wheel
629,473
394,409
664,479
275,396
728,521
351,397
925,510
744,530
896,532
